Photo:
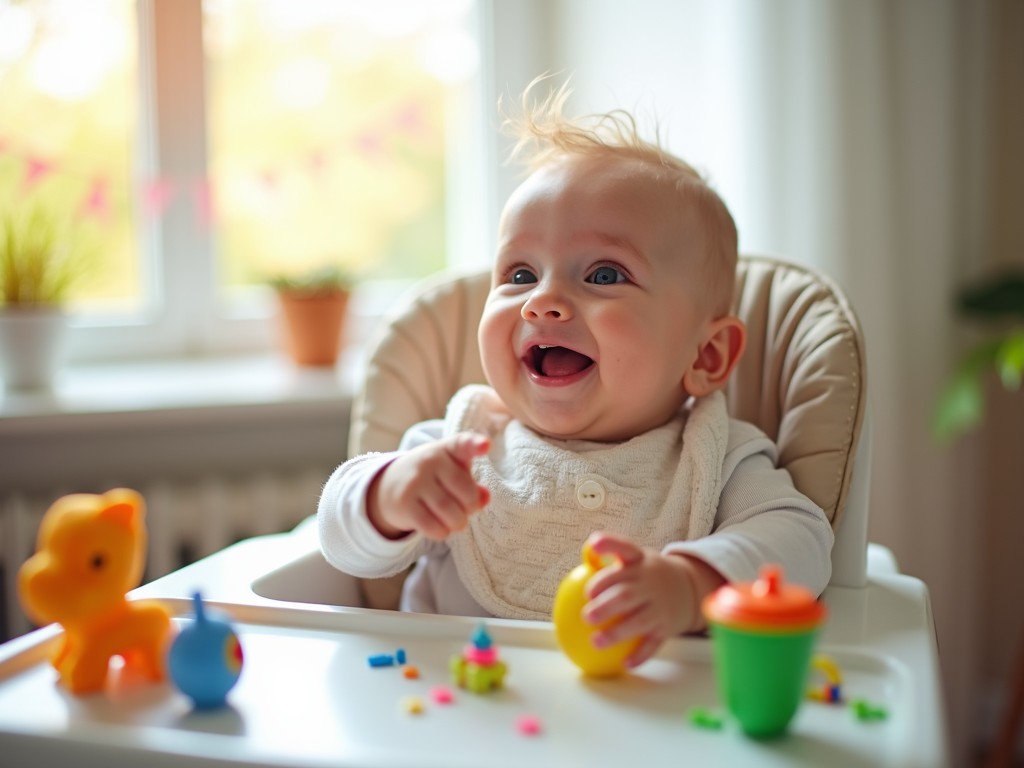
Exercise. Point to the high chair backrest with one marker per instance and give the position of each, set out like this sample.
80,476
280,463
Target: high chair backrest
801,380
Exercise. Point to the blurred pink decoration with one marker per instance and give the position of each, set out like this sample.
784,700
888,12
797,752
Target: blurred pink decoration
410,120
36,169
317,161
156,196
97,201
369,144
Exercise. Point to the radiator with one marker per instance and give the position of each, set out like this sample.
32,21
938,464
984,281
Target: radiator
186,519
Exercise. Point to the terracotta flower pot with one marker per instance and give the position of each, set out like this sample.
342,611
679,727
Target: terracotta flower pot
312,325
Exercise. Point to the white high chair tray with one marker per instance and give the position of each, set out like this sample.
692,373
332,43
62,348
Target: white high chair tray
308,697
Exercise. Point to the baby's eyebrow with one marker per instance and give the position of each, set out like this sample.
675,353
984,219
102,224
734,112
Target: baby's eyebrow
607,240
519,242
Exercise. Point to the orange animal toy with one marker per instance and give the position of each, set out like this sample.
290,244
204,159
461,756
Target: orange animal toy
91,551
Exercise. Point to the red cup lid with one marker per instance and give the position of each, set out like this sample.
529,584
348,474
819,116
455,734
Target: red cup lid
765,604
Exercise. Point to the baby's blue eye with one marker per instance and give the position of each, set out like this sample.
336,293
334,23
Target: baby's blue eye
606,276
523,276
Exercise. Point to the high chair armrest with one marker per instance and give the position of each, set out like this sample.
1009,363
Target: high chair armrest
881,560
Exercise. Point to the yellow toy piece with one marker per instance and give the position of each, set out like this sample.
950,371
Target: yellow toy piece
831,692
91,551
575,634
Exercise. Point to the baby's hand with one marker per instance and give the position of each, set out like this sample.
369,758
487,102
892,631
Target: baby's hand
645,594
429,489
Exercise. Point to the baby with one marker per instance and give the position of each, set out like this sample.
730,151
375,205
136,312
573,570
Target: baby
607,342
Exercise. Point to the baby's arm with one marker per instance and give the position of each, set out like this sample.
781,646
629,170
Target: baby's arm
348,540
429,489
646,594
763,519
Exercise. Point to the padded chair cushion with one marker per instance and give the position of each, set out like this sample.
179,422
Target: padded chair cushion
423,354
801,379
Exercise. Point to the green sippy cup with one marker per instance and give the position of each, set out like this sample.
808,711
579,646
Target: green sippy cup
762,636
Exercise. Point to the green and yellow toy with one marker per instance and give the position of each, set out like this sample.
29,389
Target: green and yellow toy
478,667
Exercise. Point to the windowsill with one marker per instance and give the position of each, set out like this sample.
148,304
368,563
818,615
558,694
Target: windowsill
159,389
126,422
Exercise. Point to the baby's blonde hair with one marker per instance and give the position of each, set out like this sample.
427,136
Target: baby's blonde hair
544,135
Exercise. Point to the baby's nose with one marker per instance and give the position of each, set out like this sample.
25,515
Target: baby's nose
547,302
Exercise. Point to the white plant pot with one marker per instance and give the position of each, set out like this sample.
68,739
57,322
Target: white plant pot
31,346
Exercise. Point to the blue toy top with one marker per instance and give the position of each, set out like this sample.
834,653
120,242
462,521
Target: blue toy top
481,638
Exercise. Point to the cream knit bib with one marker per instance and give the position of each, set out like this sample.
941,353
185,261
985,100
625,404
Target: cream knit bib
659,487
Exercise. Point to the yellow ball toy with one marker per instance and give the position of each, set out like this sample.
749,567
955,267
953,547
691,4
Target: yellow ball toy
574,634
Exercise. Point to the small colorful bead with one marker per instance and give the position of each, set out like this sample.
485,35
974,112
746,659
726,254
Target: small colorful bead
705,718
866,711
485,657
442,694
412,705
528,725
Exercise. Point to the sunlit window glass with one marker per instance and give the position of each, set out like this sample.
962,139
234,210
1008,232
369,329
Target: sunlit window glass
68,116
327,133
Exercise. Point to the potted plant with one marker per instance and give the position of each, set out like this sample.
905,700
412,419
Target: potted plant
313,307
38,268
999,302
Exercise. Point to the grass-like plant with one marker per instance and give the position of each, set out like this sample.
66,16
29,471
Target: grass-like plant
999,302
39,265
316,282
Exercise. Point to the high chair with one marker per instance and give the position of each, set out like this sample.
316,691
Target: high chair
802,380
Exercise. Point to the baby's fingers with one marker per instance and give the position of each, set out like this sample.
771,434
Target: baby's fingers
621,611
648,646
431,522
454,494
453,503
466,446
641,622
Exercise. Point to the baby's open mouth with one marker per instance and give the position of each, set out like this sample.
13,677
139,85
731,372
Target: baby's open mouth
554,361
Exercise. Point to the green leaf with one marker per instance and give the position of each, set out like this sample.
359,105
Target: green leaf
1010,360
961,405
998,296
40,259
323,280
980,359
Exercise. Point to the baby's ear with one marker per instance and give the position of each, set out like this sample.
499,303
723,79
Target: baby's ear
716,357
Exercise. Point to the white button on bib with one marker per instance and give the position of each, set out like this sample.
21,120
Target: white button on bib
590,494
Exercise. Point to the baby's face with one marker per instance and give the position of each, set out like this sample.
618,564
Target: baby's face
593,317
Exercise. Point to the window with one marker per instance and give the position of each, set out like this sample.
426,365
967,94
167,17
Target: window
198,148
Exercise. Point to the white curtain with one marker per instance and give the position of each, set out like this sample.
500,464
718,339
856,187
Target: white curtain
855,137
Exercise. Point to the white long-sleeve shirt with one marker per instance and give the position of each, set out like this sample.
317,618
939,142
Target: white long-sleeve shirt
761,518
